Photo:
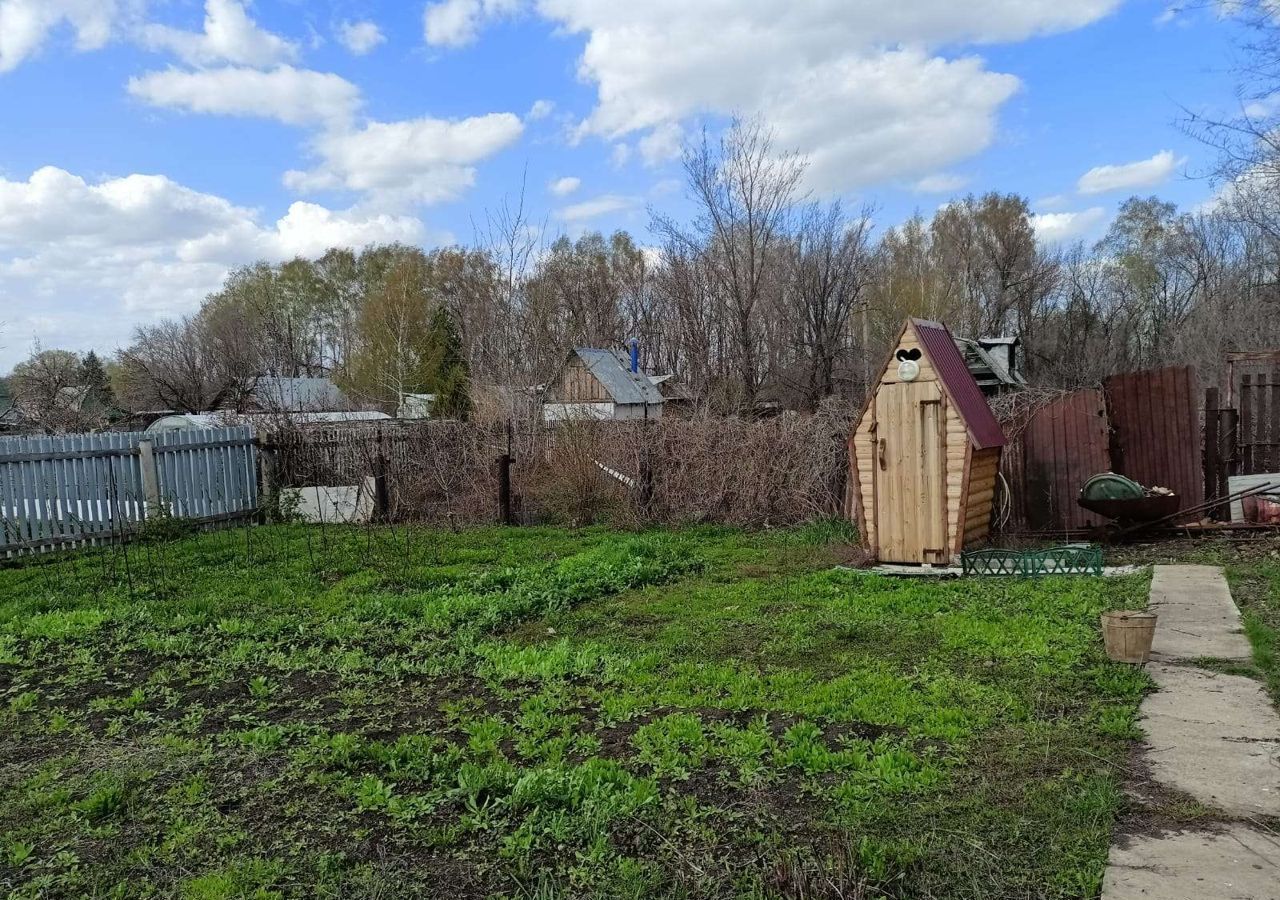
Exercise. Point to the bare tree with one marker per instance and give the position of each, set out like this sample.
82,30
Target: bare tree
513,242
50,393
743,190
828,268
169,367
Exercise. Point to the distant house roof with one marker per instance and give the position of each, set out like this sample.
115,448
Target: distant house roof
962,390
613,370
297,394
184,421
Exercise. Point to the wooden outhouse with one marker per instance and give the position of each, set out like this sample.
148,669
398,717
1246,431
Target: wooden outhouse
924,453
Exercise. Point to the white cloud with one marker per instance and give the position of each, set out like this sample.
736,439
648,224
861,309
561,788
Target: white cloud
418,160
456,23
594,208
662,144
540,110
360,37
620,155
1057,228
229,36
25,25
1146,173
563,187
940,183
862,86
108,254
1053,201
293,96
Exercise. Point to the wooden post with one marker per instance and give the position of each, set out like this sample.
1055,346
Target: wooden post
150,478
1229,436
1212,463
504,483
1246,413
381,497
504,489
268,483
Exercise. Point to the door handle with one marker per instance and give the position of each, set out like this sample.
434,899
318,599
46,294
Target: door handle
881,446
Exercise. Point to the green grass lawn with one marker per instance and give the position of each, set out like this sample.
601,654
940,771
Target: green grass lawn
546,713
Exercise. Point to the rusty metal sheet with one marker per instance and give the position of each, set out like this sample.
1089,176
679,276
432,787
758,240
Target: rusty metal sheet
1155,428
1064,444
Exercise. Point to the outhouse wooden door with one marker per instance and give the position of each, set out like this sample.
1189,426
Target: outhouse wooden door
910,494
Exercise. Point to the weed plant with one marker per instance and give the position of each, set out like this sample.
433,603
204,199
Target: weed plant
302,711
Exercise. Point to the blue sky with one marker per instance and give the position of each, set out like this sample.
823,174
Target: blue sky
150,145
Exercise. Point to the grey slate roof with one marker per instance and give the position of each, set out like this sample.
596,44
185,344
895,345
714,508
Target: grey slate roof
613,369
297,394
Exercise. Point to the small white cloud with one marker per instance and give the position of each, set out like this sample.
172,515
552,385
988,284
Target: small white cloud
563,187
26,24
940,183
293,96
1057,228
416,161
1146,173
229,36
540,110
620,155
360,37
1053,201
456,23
662,144
596,207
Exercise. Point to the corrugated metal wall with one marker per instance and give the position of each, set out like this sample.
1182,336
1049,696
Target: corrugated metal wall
1145,425
1061,447
1155,422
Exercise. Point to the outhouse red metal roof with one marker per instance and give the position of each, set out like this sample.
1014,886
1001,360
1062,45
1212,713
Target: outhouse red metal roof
962,390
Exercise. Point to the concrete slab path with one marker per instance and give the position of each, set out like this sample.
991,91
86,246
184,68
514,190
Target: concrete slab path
1198,618
1236,864
1215,737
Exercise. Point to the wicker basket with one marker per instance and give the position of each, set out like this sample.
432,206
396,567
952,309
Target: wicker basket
1128,635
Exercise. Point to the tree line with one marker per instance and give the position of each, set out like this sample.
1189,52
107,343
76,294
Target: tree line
760,295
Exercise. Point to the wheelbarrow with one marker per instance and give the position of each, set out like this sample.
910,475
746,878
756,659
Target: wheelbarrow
1126,502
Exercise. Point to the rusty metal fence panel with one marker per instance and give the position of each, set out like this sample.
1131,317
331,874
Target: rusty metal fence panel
1155,424
1056,451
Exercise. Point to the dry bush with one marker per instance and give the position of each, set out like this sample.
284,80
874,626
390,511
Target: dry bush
1014,410
669,471
705,470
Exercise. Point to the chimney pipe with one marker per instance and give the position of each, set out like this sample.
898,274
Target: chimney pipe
635,356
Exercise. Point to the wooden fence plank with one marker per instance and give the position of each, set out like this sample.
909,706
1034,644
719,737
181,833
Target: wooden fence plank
64,490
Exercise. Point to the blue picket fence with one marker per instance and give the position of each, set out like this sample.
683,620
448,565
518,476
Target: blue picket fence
62,490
